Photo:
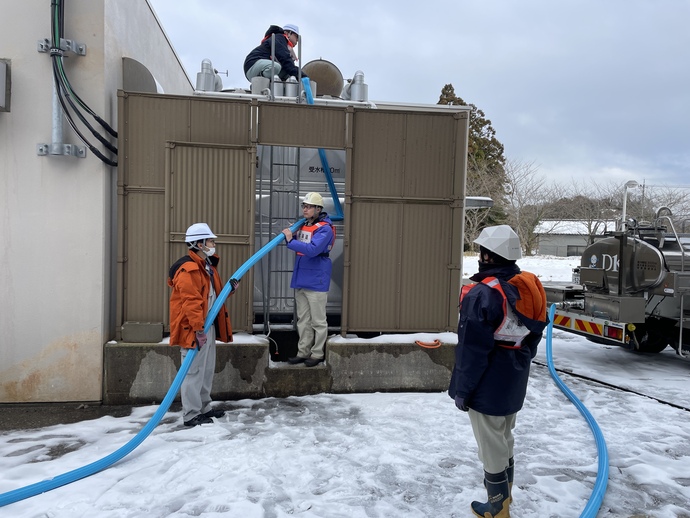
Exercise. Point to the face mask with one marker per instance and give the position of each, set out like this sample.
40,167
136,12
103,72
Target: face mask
210,251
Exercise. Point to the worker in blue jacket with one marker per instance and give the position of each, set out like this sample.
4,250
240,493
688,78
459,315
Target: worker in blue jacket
502,318
311,279
258,62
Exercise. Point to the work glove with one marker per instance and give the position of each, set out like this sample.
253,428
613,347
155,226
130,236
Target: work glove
201,339
460,403
234,283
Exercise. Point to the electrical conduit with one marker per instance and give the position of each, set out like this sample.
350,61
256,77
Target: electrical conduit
597,496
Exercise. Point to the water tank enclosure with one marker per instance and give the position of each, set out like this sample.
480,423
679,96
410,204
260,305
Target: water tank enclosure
241,165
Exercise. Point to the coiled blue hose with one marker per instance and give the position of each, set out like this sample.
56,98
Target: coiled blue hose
597,496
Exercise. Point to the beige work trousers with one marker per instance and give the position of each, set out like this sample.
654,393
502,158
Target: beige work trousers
494,435
312,326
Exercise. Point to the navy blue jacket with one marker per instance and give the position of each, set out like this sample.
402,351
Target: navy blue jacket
491,379
282,56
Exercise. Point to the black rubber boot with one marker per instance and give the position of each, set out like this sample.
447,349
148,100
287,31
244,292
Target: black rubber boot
499,497
510,472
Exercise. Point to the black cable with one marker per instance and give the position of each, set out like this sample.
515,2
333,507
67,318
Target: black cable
101,138
65,92
93,149
82,103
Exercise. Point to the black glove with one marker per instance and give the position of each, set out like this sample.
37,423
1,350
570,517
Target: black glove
234,283
460,403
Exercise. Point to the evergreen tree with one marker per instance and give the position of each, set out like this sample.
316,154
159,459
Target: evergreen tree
486,162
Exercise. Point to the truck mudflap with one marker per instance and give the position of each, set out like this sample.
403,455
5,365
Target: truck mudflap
597,329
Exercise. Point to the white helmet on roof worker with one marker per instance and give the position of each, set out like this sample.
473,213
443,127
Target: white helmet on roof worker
313,198
291,27
198,232
501,240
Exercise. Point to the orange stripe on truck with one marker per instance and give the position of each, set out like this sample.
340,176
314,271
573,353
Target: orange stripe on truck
589,327
560,320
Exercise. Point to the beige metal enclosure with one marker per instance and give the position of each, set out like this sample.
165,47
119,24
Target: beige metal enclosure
187,159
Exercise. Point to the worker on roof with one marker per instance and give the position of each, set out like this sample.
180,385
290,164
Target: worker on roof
258,62
501,321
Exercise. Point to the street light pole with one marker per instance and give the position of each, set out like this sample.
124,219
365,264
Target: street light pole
630,184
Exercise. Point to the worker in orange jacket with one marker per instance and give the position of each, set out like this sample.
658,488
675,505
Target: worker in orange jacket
195,283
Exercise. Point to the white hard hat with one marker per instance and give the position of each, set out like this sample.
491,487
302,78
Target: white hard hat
313,198
501,240
197,232
291,27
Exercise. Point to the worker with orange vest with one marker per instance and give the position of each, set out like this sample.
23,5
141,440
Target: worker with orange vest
502,318
311,279
195,282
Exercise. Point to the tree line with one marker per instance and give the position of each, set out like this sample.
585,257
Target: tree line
523,198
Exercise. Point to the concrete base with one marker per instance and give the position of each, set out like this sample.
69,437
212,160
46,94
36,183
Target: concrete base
143,373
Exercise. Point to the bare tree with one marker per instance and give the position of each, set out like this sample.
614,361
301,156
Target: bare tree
647,199
527,200
480,182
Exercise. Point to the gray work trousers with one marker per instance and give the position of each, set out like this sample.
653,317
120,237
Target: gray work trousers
263,68
196,386
312,326
494,436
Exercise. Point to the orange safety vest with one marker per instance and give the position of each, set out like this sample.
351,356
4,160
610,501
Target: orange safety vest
306,232
510,332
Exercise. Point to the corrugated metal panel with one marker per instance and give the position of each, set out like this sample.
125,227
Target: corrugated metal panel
215,185
218,122
411,168
425,256
293,125
144,275
378,163
150,122
429,159
375,231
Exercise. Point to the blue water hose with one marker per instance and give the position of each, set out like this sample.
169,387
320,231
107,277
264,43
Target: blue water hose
109,460
101,464
597,496
338,216
227,289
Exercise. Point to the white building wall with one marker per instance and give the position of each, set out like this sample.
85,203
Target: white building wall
57,214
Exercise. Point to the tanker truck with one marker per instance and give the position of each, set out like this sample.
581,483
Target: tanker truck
632,288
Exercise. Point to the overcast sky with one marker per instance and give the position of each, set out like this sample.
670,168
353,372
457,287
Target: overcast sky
586,89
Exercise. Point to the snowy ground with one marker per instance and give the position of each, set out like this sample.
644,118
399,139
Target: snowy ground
381,455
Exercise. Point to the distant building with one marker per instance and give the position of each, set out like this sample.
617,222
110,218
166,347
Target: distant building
567,238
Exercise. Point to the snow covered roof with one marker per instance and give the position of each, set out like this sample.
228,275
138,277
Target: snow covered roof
573,227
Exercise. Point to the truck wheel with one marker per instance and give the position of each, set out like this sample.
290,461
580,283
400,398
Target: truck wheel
650,341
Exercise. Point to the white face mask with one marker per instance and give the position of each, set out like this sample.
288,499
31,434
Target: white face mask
209,251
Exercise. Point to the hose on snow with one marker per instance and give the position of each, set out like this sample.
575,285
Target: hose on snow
597,496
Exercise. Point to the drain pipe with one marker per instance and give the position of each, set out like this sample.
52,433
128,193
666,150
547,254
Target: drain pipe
597,496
